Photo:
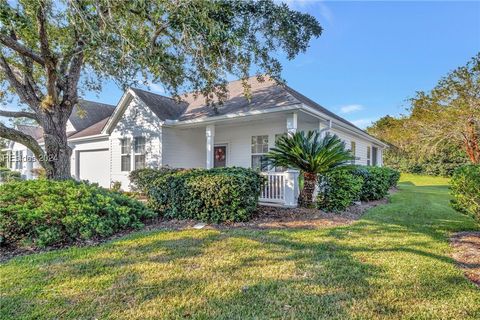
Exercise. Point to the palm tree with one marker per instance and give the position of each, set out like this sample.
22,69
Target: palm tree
310,154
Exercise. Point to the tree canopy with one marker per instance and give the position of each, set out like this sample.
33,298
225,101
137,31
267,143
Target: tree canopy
442,128
51,51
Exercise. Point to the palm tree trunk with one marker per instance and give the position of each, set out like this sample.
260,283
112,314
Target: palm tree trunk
306,194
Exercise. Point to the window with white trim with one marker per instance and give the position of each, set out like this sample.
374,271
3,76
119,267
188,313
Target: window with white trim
139,150
353,150
126,158
369,155
259,149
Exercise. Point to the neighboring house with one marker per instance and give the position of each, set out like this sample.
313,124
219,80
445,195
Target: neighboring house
150,130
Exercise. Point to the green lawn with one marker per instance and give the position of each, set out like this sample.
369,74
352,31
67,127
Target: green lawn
394,263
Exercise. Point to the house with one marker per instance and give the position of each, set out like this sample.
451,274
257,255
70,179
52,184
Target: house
151,130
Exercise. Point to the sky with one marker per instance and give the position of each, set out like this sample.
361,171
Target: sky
372,56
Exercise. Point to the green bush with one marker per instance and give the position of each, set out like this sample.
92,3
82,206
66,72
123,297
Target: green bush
465,189
338,190
7,175
394,176
214,195
45,212
377,182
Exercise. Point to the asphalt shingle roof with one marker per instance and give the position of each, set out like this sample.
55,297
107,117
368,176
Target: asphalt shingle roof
87,113
91,117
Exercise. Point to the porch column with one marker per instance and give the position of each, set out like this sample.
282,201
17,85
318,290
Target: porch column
325,130
210,135
291,188
292,123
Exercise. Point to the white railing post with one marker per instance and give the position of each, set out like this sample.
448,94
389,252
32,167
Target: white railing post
291,188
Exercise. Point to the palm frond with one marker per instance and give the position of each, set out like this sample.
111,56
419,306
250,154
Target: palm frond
309,152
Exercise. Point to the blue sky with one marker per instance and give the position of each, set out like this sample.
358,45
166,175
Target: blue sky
372,56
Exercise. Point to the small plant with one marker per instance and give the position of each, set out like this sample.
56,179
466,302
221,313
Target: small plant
376,181
116,186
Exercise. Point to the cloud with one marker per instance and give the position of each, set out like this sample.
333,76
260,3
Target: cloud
363,123
351,108
305,5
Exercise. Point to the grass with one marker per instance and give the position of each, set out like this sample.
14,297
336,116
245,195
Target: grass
394,263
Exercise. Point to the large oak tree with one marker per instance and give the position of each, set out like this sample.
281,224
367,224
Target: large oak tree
52,50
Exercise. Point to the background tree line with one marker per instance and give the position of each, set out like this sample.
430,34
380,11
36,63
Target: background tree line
442,129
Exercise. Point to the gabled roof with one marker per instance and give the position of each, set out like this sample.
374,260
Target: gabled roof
88,118
263,95
163,107
88,113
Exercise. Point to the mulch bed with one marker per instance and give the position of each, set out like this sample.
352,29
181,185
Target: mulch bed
265,218
466,247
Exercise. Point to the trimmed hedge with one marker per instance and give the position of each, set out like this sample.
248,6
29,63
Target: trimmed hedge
45,212
214,195
377,182
465,189
338,190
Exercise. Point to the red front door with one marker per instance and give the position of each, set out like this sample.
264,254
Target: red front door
220,156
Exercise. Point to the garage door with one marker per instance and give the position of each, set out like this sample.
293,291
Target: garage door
94,166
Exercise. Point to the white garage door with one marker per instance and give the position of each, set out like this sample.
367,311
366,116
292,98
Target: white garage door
94,166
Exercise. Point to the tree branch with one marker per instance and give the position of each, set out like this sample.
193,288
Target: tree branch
26,140
21,49
18,114
25,96
50,63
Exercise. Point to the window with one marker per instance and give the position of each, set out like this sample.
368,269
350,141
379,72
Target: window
126,158
374,156
353,150
139,150
369,155
19,160
259,149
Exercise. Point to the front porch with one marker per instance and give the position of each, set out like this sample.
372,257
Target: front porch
241,143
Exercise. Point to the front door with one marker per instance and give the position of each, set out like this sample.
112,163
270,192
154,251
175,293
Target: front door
220,156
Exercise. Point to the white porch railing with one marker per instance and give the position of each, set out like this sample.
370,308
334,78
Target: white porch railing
280,188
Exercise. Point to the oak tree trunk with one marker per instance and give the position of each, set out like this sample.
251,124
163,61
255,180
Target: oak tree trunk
306,194
57,151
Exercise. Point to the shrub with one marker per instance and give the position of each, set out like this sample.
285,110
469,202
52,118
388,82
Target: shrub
338,190
376,183
7,175
143,179
465,189
394,176
45,212
214,195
